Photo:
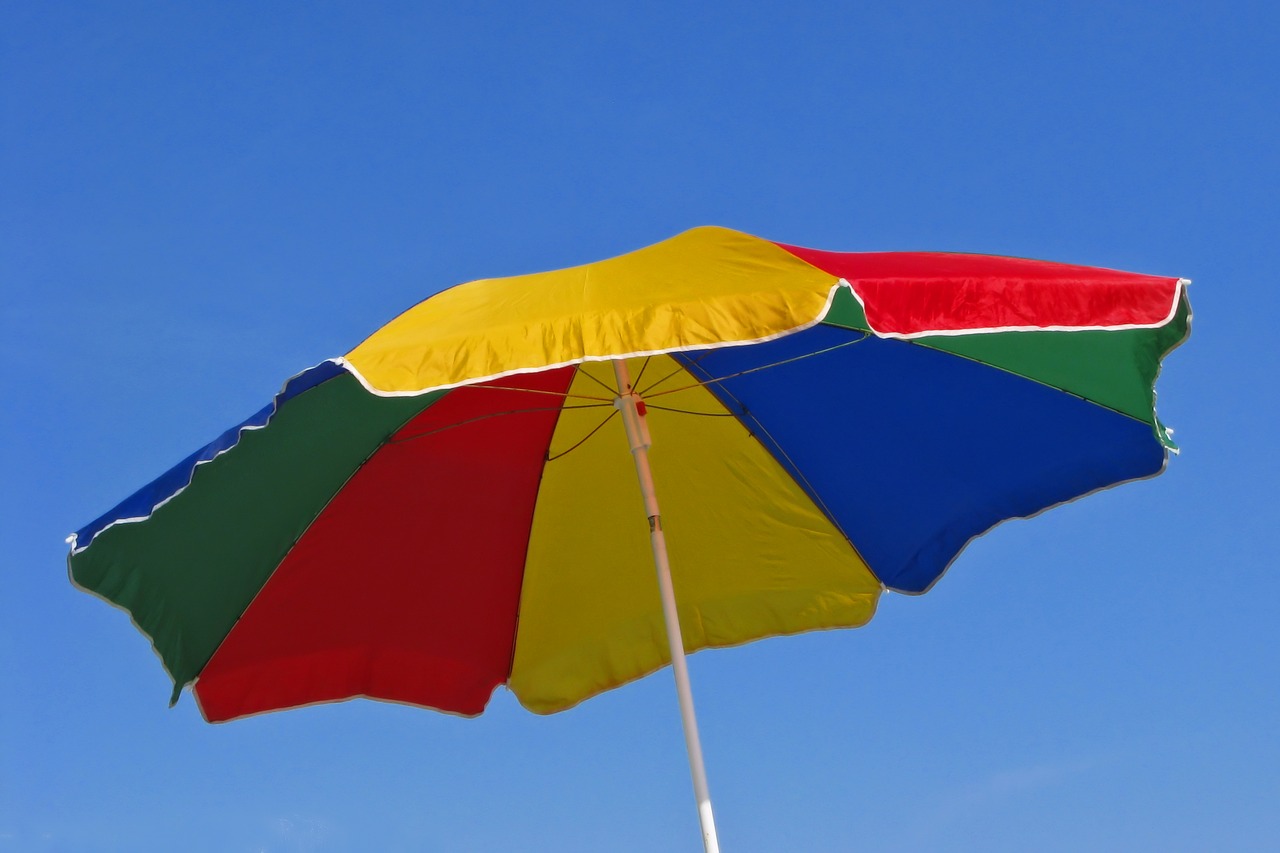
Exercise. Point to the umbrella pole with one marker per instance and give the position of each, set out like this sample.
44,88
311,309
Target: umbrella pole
634,419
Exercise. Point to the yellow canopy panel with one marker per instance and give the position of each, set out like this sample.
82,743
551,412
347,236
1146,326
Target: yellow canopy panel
704,287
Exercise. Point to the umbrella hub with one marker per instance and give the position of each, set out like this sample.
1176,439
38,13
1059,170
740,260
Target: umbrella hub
634,419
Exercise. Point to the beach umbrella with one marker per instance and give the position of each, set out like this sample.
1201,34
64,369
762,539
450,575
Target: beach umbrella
479,493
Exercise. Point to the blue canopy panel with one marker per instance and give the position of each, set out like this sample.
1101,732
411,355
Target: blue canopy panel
912,451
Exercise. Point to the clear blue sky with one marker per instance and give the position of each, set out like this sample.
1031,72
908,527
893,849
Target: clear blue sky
199,200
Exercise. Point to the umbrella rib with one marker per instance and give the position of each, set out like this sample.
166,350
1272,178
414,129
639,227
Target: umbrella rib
562,394
689,411
711,380
612,392
762,434
744,413
643,368
811,491
583,440
402,439
678,370
804,481
1012,372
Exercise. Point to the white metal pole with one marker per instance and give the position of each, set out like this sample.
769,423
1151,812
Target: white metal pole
631,406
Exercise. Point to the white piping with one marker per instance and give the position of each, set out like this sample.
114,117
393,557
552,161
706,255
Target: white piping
582,359
275,407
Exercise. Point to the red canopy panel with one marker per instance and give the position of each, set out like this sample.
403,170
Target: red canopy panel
919,293
406,587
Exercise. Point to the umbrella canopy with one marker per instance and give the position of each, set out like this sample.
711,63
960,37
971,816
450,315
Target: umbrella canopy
450,506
